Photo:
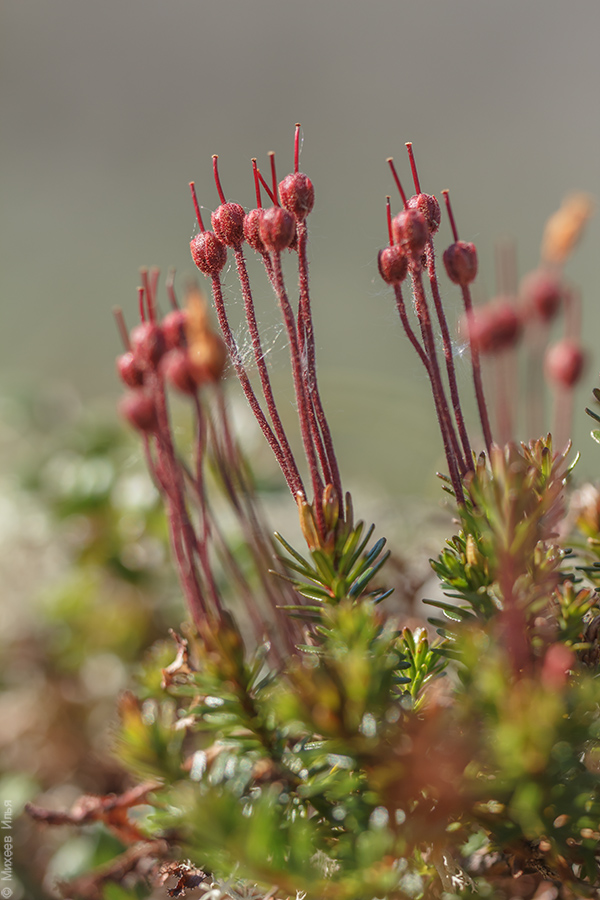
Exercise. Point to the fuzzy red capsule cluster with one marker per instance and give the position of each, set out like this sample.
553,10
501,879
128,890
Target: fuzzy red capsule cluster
264,230
182,350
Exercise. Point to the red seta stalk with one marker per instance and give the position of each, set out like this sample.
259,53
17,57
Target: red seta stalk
441,316
197,541
457,463
475,360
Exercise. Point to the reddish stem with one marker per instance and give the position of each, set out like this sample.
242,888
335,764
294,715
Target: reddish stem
456,463
154,279
390,163
413,167
256,174
142,311
122,327
307,343
297,147
291,469
299,388
477,379
446,195
170,286
196,206
401,307
238,365
448,355
148,294
388,212
273,177
163,477
232,462
205,523
475,360
272,198
573,315
174,483
217,179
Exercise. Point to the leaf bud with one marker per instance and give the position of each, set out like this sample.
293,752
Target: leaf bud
209,254
393,264
460,260
542,292
138,408
297,194
147,344
409,229
129,371
429,207
564,363
277,229
228,224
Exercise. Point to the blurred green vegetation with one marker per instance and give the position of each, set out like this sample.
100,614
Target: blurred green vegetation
88,589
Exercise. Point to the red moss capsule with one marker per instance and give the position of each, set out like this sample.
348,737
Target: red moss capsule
209,254
495,326
251,230
564,363
176,368
429,208
173,327
138,408
393,264
129,371
147,345
297,194
228,224
409,229
542,292
277,229
460,260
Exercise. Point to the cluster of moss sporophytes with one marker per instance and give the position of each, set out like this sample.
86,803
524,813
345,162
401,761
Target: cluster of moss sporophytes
298,737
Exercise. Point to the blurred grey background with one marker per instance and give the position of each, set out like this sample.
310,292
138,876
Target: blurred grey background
109,108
